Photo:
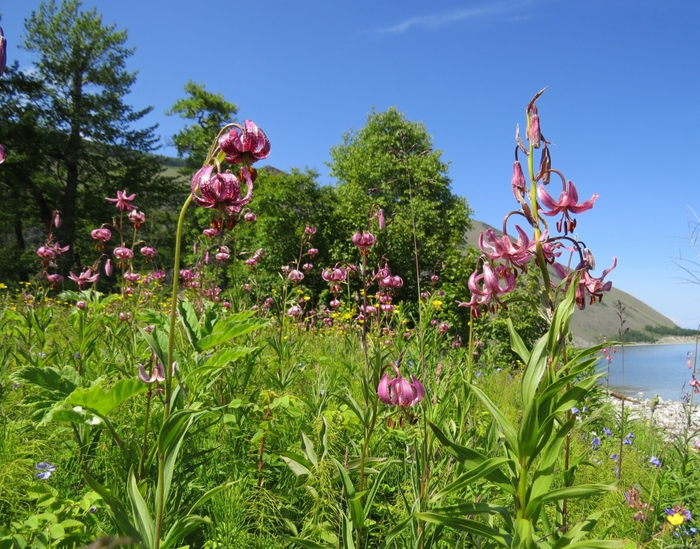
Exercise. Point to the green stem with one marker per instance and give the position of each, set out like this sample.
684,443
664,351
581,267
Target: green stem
173,310
160,495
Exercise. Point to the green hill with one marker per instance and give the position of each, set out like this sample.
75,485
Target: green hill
601,320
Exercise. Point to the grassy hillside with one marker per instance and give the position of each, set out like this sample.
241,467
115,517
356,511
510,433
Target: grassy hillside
601,320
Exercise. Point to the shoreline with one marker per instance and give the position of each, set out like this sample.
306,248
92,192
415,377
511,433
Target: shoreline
669,415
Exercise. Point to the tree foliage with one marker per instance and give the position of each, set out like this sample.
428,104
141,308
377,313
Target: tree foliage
209,112
391,162
68,132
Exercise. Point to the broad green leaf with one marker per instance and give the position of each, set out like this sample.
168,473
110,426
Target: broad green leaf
306,543
208,495
465,525
235,326
524,535
352,498
395,531
375,486
465,479
351,403
180,528
158,342
46,378
535,368
172,433
101,402
116,509
528,431
301,471
503,422
139,510
347,534
57,531
571,492
556,337
544,475
308,448
323,435
190,321
516,343
222,358
473,508
598,544
473,458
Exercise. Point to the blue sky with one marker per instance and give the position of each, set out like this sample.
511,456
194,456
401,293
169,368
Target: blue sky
623,104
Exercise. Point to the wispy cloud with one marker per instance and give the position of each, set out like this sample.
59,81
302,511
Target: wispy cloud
436,21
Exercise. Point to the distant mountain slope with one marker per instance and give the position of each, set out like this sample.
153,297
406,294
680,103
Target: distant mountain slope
599,320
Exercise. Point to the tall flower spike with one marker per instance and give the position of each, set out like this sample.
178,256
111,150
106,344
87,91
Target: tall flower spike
246,145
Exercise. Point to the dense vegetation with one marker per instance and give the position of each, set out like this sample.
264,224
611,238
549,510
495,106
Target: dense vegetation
283,364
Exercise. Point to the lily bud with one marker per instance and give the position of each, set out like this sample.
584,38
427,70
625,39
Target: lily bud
3,52
380,219
56,219
533,130
108,267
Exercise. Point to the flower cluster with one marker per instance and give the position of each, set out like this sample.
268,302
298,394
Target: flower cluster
503,258
221,191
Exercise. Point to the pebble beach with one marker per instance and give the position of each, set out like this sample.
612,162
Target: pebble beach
667,415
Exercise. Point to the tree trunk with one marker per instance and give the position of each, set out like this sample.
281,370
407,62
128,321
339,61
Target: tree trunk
72,162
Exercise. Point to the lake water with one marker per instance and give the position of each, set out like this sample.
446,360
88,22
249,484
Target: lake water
651,370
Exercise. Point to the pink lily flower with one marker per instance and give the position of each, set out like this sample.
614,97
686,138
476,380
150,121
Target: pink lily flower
137,218
594,286
399,391
103,235
148,252
123,253
54,278
517,254
123,201
157,373
221,191
86,277
491,280
245,145
567,203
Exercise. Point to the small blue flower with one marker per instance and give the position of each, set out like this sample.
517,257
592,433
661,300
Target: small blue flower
627,441
45,469
323,391
630,436
596,443
607,431
78,355
42,354
656,462
478,374
574,410
613,456
585,409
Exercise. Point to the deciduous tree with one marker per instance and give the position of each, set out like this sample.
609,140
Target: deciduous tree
391,161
